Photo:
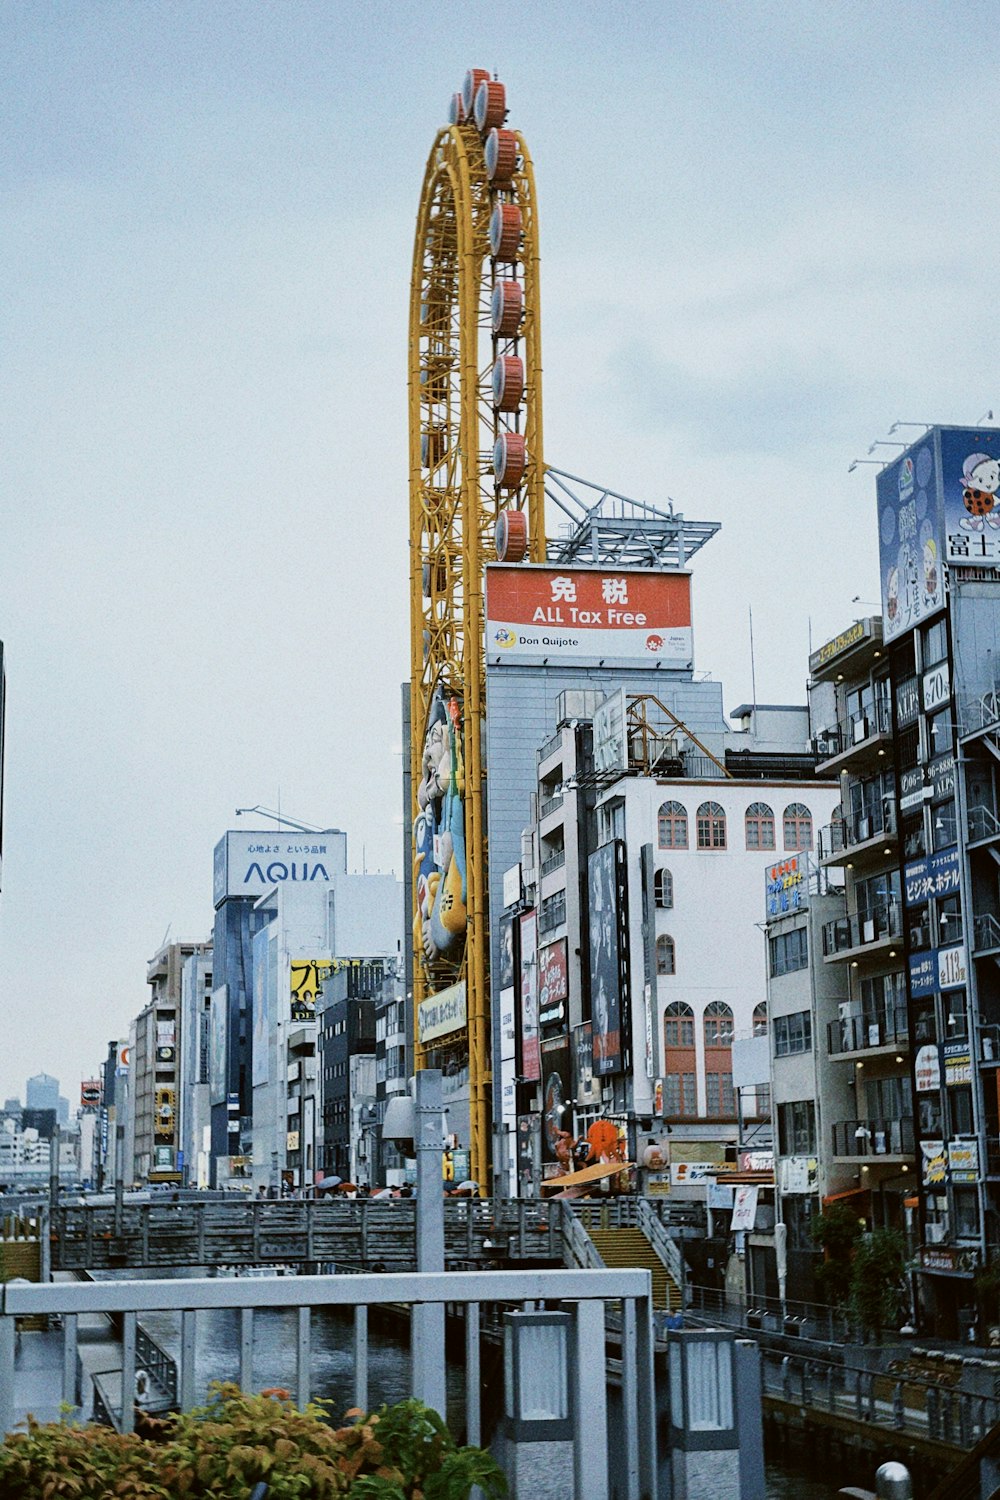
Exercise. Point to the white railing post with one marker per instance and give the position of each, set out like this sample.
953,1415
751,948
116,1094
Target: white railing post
590,1404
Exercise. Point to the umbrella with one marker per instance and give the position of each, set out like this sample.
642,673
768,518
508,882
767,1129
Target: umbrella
328,1182
383,1193
468,1186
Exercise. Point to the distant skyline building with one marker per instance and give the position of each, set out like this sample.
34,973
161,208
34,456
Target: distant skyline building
42,1092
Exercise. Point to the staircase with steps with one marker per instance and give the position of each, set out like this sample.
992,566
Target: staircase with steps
628,1248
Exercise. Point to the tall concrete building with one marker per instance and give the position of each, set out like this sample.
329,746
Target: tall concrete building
154,1068
630,950
939,557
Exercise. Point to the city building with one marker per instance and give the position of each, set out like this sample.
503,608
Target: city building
194,1129
810,1028
347,1029
154,1068
939,560
860,742
630,950
42,1092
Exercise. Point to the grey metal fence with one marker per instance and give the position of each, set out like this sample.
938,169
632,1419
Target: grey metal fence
583,1293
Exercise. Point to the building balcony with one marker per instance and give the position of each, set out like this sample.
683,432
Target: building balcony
554,861
888,1141
855,742
857,840
867,1036
550,805
550,748
863,935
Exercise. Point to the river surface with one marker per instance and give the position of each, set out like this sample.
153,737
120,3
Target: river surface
332,1366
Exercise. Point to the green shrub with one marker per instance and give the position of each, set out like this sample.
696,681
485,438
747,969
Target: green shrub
402,1452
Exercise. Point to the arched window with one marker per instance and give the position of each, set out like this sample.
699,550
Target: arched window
672,826
760,1019
711,824
678,1025
760,826
679,1069
666,957
718,1030
798,826
663,889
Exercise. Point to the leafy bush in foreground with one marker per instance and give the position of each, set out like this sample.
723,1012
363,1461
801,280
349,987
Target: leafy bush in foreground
222,1450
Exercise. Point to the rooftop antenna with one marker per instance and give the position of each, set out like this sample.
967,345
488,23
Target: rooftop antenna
987,416
753,677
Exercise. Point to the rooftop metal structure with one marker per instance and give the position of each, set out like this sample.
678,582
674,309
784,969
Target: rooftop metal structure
605,527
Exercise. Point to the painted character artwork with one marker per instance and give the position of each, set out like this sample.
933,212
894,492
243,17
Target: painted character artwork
980,483
439,875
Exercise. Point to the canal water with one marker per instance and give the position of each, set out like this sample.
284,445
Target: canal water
331,1374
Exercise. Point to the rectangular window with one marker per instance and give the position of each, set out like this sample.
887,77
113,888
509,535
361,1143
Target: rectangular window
792,1034
680,1094
797,1128
719,1094
789,951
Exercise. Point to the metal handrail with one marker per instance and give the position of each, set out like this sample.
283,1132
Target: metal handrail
585,1294
665,1246
579,1248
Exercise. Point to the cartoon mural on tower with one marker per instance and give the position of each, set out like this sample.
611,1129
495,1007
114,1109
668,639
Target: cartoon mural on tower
439,872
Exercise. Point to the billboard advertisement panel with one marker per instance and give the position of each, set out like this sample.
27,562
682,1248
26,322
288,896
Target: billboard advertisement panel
588,614
529,996
608,955
250,863
557,1114
305,982
439,878
910,538
970,481
218,1017
263,1020
441,1014
553,983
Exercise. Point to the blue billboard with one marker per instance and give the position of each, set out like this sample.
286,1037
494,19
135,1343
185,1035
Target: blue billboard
936,875
970,479
910,532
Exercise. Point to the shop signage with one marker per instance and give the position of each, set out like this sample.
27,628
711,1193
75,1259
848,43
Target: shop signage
719,1194
935,1163
937,875
756,1161
923,973
292,1140
860,631
441,1014
530,1056
744,1207
508,1028
963,1161
799,1174
248,864
957,1063
686,1173
579,614
937,687
786,885
952,967
942,774
911,788
927,1069
947,1258
907,702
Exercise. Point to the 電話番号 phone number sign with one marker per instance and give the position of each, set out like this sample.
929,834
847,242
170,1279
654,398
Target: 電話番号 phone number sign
573,614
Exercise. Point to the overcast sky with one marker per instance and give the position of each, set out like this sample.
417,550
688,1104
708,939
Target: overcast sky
768,231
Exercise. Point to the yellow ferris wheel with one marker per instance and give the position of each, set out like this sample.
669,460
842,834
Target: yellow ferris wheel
476,482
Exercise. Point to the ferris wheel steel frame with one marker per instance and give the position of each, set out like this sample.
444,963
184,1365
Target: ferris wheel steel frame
455,502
